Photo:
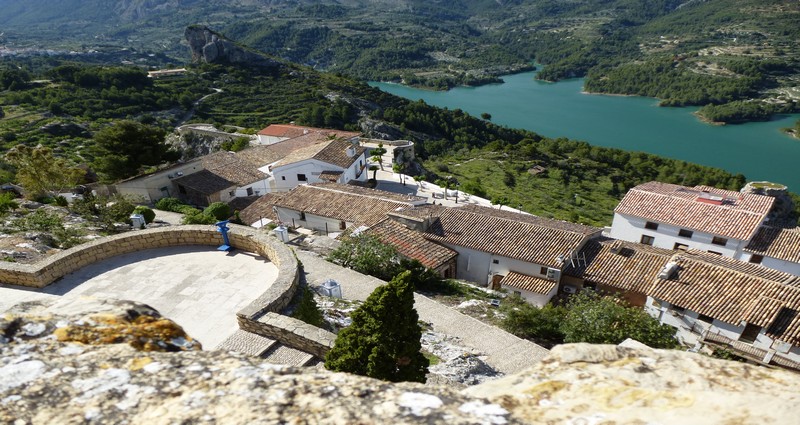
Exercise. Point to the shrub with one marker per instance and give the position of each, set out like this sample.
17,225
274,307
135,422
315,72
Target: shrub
146,212
218,210
186,210
198,218
168,204
307,309
7,202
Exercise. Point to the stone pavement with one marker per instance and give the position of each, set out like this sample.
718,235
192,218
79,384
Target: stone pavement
198,287
504,351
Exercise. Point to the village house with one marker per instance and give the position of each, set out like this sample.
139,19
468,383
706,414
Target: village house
522,253
255,171
611,266
750,309
279,132
777,248
225,176
703,218
331,208
337,160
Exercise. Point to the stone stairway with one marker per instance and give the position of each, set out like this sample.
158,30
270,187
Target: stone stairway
266,348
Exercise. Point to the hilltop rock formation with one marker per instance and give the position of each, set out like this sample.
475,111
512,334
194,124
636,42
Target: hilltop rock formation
210,47
46,378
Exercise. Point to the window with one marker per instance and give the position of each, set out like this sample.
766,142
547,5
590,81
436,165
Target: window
249,191
518,293
590,286
283,177
231,193
543,271
685,233
181,189
495,261
704,318
719,241
681,247
750,333
342,225
756,259
678,309
302,215
301,178
650,225
714,252
648,240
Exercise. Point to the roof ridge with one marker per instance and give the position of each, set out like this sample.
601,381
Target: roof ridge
333,189
508,219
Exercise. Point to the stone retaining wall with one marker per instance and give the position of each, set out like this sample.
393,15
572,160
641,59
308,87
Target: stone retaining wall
291,332
260,316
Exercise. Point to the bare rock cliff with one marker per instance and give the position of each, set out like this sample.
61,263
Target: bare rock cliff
208,46
53,372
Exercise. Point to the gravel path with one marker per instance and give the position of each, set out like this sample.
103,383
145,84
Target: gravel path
504,351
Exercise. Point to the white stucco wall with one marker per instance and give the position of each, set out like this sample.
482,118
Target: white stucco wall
539,300
472,265
268,140
286,176
311,221
261,187
629,228
776,264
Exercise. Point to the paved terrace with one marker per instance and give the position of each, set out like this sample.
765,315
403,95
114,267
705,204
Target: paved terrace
504,351
198,287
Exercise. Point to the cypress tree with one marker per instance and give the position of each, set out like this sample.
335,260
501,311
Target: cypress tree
383,341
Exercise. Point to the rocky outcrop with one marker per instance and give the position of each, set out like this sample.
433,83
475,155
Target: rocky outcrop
783,208
210,47
46,378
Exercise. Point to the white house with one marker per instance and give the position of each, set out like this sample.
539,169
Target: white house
677,217
336,160
751,309
520,252
225,176
279,132
777,248
332,207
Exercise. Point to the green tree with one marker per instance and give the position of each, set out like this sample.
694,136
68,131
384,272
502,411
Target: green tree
527,321
398,169
500,201
218,210
7,203
146,212
366,254
609,320
377,154
41,173
383,341
126,146
307,309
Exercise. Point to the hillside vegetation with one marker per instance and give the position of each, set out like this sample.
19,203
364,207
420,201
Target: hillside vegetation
684,52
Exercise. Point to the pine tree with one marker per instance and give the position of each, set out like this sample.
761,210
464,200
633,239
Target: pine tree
308,310
383,341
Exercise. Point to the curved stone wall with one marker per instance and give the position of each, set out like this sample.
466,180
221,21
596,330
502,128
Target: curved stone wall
253,318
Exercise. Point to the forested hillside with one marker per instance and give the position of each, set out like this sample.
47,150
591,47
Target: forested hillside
684,52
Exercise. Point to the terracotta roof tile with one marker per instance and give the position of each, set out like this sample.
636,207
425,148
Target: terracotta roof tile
734,292
622,265
354,204
533,284
776,242
292,131
519,236
205,182
329,151
261,208
702,208
412,244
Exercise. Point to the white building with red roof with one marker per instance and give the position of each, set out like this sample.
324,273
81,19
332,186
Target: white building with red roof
279,132
703,218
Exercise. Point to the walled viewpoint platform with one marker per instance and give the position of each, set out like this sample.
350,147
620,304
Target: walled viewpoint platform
198,287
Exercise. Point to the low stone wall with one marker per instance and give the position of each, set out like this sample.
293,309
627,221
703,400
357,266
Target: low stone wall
260,316
291,332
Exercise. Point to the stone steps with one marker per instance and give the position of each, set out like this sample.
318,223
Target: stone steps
247,343
281,354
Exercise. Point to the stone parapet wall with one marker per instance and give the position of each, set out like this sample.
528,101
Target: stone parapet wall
260,316
291,332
